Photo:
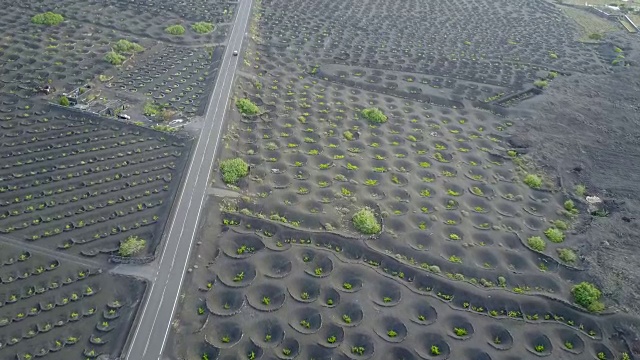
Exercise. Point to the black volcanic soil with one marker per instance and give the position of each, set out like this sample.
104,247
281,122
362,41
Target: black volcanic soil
73,184
280,272
585,130
56,309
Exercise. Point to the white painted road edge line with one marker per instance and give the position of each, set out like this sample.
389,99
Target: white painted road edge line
180,201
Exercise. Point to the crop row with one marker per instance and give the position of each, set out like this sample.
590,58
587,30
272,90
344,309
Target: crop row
122,227
117,165
145,221
78,151
149,189
89,171
110,313
46,136
85,183
42,288
15,259
48,305
143,192
26,273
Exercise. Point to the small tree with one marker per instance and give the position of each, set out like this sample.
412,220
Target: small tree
126,46
587,295
246,107
114,58
202,27
175,30
374,115
131,246
64,101
365,221
567,255
554,234
537,243
534,181
48,18
233,170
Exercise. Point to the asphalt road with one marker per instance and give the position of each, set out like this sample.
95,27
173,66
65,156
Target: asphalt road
148,338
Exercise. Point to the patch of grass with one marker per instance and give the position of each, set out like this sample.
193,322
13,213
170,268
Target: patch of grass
132,245
534,181
246,107
374,115
175,30
592,27
587,295
202,27
567,255
365,221
233,170
537,243
114,58
554,235
581,190
48,18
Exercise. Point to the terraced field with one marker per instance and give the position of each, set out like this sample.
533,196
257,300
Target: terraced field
477,257
74,185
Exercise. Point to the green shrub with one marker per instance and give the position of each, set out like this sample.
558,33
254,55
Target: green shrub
554,234
131,246
114,58
48,18
202,27
246,107
537,243
64,101
561,225
126,46
151,108
534,181
165,128
569,205
541,83
374,115
587,295
348,135
365,221
233,170
567,255
175,30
